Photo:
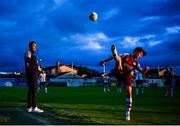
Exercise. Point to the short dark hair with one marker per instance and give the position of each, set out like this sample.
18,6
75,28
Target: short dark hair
31,42
139,49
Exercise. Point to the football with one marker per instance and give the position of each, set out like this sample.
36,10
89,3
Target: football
93,16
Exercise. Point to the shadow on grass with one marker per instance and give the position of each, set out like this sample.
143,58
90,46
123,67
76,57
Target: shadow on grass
19,116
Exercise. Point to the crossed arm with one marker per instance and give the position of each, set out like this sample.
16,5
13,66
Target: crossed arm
141,70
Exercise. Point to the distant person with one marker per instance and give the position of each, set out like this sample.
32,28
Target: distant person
106,82
43,81
168,80
126,64
32,72
139,82
173,82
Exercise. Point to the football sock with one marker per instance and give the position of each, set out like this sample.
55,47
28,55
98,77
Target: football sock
128,104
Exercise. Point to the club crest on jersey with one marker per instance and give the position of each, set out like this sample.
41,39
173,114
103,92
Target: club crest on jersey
134,63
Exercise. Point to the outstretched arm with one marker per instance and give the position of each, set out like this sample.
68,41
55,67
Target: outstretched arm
106,60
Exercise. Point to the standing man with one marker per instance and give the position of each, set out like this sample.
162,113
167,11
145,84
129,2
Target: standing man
32,73
126,64
168,80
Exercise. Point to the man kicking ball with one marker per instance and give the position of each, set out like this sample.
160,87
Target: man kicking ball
126,64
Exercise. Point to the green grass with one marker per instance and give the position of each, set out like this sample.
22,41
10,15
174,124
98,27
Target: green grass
90,105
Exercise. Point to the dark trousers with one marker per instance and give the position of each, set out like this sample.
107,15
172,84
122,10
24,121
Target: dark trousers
32,91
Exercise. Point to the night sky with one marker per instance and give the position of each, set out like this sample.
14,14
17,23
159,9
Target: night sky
64,32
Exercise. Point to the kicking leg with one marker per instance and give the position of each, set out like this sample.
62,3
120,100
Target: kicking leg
117,58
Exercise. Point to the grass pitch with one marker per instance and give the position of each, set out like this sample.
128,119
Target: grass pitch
88,105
